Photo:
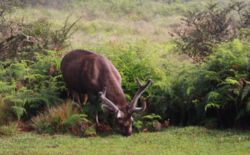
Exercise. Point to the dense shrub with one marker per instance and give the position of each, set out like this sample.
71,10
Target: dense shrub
29,71
216,90
143,60
60,119
20,40
28,86
204,30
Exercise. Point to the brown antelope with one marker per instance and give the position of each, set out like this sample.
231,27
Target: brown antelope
93,74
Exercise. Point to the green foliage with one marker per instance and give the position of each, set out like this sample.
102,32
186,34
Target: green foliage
150,121
24,40
29,72
212,122
144,61
138,125
211,100
59,119
93,109
27,86
90,132
214,92
215,89
19,111
151,117
49,39
147,122
202,31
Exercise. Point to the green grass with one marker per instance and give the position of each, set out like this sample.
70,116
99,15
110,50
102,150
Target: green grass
98,30
108,21
188,140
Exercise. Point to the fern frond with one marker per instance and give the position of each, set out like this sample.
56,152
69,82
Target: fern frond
210,105
5,87
74,120
18,70
248,105
13,99
151,117
230,81
245,91
19,111
210,122
49,94
190,89
213,95
240,114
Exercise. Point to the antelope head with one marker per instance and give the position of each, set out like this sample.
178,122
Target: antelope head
124,117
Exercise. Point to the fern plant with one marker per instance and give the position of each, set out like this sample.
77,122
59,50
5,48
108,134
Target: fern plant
217,88
59,119
26,86
149,121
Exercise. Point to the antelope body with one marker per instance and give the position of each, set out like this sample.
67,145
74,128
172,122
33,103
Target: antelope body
92,74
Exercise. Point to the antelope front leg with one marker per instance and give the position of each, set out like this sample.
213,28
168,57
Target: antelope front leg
83,99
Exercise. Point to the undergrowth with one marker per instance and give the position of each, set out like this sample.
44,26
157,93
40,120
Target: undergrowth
60,119
213,92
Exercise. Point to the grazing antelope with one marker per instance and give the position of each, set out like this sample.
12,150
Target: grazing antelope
93,74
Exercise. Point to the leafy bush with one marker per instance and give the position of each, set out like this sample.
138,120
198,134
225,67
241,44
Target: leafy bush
215,92
204,30
150,122
244,15
216,89
28,86
137,125
139,60
20,40
144,60
90,132
147,123
30,78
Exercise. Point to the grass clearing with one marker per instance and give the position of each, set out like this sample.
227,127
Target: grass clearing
97,29
188,140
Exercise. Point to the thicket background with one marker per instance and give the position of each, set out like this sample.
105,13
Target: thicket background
195,52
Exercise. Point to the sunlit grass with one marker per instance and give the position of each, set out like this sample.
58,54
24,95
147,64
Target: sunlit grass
99,28
188,140
103,21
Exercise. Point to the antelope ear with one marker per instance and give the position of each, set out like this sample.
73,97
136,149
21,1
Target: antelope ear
107,108
119,114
